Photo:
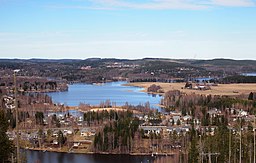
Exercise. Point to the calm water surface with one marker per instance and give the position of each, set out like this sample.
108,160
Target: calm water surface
52,157
249,74
95,94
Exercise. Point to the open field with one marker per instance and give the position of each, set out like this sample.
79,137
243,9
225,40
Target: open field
221,89
108,109
117,109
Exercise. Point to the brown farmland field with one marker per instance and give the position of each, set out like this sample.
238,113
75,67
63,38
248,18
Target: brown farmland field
221,89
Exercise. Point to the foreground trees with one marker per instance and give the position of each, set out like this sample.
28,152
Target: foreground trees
118,135
39,118
222,120
6,146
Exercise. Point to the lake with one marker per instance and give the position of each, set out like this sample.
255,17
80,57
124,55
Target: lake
53,157
249,74
95,94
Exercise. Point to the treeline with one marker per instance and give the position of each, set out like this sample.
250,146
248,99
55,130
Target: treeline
99,117
221,142
155,88
95,75
10,116
156,79
32,84
193,104
118,135
170,68
34,98
28,86
202,145
39,118
239,79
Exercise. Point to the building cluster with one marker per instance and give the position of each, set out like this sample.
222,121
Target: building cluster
174,122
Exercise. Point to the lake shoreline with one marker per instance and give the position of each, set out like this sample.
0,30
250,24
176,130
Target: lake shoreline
233,89
114,92
98,153
143,86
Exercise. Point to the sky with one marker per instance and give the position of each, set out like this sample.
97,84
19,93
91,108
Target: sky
79,29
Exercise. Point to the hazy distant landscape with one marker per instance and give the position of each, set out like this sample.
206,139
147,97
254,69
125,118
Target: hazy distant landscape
159,109
95,70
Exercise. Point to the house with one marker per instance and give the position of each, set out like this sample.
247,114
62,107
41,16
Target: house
86,68
80,119
87,132
67,132
243,113
176,119
213,112
211,130
9,102
34,135
201,87
197,121
178,129
45,121
76,144
152,129
140,116
208,130
55,142
175,113
55,133
187,117
10,135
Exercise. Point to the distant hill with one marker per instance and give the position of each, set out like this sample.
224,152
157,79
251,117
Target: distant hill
107,69
224,62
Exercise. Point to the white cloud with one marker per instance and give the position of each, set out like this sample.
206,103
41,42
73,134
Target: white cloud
234,3
152,4
172,4
79,7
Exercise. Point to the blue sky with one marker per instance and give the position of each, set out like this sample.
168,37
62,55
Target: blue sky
189,29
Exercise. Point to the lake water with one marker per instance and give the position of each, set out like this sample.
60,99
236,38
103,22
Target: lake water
53,157
249,74
95,94
203,79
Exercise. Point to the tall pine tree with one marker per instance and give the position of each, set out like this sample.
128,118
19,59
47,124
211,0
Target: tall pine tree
6,146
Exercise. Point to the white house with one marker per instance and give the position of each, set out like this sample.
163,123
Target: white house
55,142
76,144
87,132
152,129
67,132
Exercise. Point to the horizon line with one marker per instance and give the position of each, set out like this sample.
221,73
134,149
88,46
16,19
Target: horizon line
41,58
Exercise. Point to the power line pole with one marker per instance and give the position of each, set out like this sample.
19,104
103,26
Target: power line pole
16,113
254,141
240,151
201,149
229,153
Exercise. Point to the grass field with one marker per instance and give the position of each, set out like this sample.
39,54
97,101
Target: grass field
221,89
